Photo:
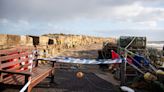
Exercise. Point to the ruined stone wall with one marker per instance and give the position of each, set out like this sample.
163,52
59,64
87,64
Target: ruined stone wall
7,41
52,45
43,40
63,42
26,40
3,39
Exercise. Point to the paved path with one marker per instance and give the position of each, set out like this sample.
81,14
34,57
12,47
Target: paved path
66,81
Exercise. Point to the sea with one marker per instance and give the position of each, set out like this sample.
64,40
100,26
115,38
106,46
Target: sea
156,44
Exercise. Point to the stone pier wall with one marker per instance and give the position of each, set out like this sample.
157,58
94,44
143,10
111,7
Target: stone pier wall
26,40
50,43
7,41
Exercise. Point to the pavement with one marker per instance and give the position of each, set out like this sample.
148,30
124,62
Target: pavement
94,80
66,81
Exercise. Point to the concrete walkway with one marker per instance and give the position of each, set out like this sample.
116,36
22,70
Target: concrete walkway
66,81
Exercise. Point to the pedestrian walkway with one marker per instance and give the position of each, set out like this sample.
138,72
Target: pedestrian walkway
66,81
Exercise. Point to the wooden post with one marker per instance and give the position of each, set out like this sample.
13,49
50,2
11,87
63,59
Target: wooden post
36,62
52,73
122,72
52,77
53,63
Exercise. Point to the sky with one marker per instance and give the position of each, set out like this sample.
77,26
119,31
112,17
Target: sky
102,18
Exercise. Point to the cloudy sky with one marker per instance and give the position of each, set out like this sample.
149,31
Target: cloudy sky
104,18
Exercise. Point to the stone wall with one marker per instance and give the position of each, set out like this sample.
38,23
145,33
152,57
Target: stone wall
52,44
43,40
7,41
61,43
26,40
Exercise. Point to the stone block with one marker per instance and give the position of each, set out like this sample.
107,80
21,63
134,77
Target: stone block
9,40
43,40
26,40
3,39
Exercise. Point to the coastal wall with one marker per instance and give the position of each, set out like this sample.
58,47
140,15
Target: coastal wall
52,44
26,40
7,41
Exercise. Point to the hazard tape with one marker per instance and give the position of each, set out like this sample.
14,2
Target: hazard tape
82,61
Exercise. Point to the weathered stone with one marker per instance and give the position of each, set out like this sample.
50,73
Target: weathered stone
52,44
3,39
43,40
54,40
13,39
9,40
26,40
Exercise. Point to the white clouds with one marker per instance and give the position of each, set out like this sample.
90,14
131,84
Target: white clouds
23,22
4,21
149,24
128,10
57,10
137,14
